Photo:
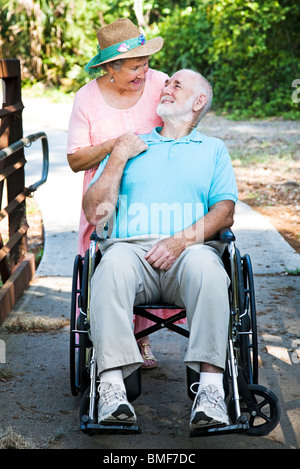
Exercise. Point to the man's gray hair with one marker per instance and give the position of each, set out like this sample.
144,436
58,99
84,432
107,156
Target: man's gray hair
203,87
206,89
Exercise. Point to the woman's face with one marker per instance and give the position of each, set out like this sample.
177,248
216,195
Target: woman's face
131,76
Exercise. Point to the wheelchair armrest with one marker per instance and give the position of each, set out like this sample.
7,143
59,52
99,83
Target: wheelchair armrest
226,235
94,236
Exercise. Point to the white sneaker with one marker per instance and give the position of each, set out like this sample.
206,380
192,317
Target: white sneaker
209,408
113,406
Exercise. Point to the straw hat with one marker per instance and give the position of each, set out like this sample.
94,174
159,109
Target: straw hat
122,40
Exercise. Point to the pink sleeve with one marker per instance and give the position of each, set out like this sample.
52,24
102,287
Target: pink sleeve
158,78
79,125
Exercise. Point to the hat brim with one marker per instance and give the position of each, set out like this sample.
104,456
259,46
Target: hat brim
149,48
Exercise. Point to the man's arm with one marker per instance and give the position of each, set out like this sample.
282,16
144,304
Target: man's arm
101,198
163,254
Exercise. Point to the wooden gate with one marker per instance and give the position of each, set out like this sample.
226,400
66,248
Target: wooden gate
17,266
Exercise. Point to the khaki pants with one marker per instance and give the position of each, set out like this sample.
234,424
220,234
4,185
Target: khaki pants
197,281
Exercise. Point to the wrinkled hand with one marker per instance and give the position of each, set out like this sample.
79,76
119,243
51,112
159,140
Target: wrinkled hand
129,145
164,253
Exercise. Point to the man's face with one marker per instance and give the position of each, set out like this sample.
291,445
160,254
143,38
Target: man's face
178,96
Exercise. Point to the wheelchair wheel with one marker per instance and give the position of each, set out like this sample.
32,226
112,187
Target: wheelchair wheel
248,353
85,344
261,407
250,306
74,339
79,375
83,326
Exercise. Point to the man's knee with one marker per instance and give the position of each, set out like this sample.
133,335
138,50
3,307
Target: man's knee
118,261
204,265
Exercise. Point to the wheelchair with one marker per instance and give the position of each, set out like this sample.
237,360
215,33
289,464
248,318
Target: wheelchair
253,409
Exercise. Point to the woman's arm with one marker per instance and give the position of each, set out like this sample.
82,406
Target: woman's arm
88,157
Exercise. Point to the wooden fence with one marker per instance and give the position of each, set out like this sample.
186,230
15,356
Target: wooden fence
17,266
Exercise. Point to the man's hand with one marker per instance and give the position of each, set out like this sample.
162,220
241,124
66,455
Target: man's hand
128,146
164,253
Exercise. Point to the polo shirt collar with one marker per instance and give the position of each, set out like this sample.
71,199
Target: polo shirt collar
155,137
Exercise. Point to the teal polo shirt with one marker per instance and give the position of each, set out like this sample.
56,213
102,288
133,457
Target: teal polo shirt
171,185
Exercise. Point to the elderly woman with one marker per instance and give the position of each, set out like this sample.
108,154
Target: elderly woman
123,99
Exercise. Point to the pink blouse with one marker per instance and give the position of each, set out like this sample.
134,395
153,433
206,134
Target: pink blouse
93,122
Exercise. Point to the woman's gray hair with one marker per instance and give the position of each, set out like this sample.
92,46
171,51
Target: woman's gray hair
115,64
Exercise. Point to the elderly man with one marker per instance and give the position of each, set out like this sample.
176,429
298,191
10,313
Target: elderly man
166,194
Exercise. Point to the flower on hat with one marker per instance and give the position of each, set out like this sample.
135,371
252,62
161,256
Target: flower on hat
142,39
123,47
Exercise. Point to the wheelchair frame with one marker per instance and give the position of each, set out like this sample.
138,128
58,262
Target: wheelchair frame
253,409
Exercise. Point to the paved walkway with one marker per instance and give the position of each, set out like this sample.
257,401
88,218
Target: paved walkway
164,407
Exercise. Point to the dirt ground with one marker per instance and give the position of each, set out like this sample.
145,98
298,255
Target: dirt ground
266,159
273,189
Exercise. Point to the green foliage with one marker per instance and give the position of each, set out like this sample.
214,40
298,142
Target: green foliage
52,39
252,49
249,50
187,40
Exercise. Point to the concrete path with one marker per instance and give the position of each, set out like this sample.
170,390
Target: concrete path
42,407
60,198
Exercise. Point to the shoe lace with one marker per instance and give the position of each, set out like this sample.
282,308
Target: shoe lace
210,396
112,392
192,385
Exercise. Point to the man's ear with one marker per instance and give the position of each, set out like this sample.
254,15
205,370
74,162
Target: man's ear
200,101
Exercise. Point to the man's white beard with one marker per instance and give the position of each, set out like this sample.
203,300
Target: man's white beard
167,111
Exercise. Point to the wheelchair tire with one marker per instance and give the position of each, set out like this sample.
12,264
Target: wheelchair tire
248,354
250,299
85,344
242,344
83,372
74,339
263,411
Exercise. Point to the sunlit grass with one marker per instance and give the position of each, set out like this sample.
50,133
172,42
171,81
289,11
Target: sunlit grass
12,440
31,323
40,91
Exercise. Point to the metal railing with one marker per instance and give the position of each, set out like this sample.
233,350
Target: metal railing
17,266
25,143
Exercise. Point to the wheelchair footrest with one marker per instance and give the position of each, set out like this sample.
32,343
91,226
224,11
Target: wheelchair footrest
235,428
92,428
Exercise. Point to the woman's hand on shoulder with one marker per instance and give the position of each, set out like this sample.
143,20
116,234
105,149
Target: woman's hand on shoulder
128,146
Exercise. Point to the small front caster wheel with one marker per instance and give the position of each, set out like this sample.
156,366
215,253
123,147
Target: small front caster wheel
262,409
